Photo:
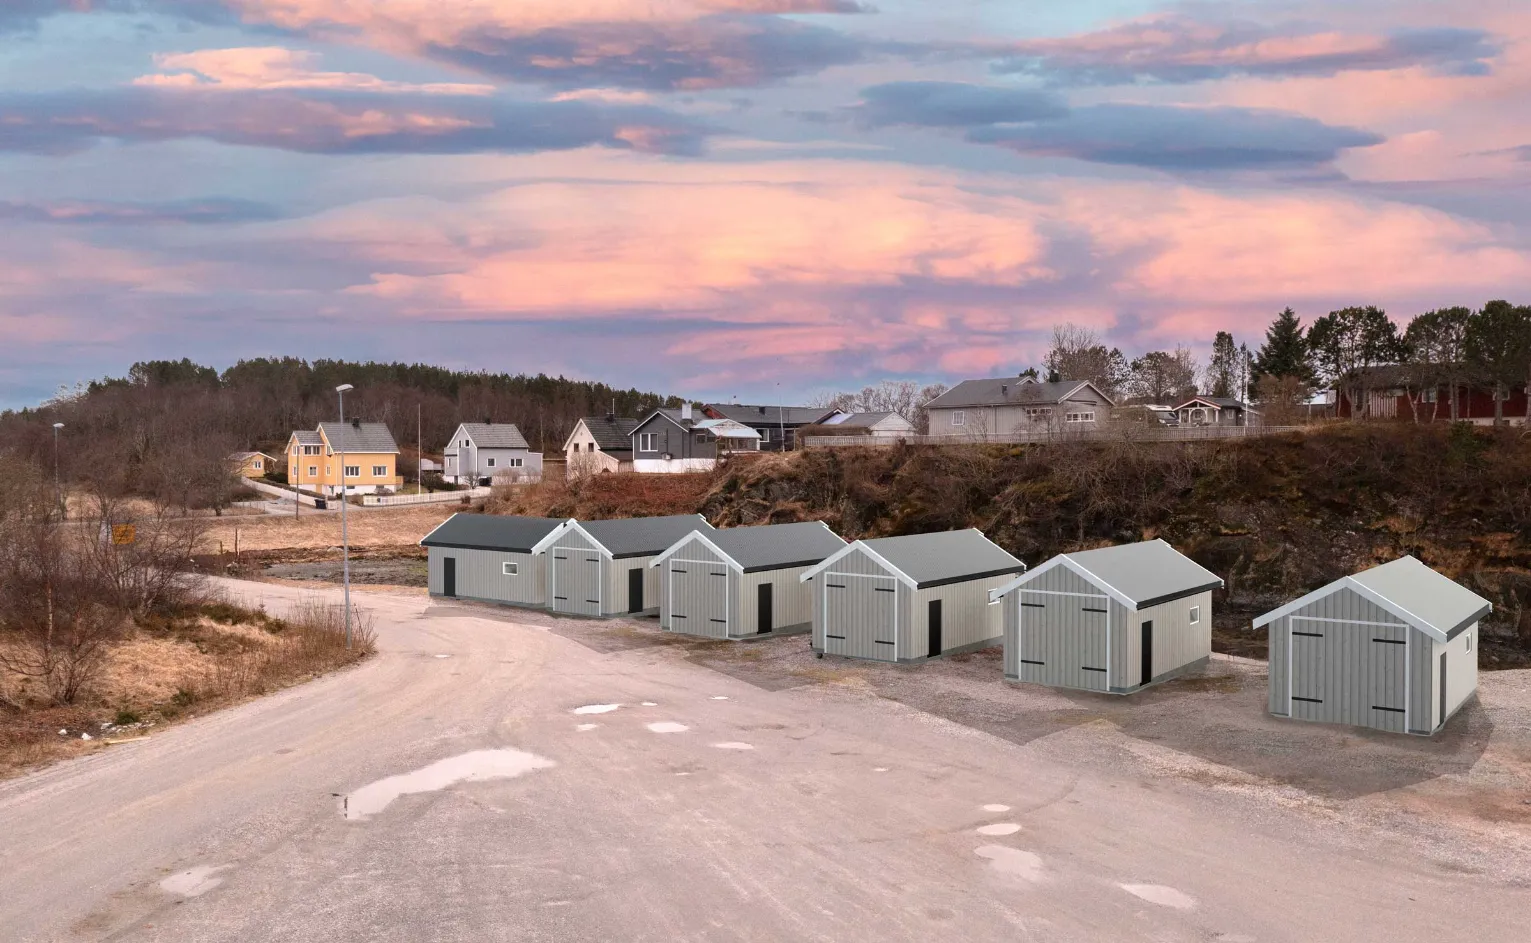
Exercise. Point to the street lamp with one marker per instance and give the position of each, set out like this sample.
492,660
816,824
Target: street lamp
345,547
58,493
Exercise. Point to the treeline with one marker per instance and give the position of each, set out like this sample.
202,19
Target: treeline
167,428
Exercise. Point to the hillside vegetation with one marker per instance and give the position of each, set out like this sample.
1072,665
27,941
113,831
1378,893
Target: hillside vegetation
1275,517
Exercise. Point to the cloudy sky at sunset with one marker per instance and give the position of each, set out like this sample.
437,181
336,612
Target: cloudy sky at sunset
709,197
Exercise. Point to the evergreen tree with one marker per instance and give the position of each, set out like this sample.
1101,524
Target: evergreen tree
1285,351
1222,369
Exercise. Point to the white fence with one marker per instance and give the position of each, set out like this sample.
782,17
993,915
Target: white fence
430,497
1114,433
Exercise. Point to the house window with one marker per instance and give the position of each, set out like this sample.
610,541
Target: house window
379,471
351,471
959,417
328,469
1430,396
517,462
509,569
765,433
313,471
646,442
1195,614
310,450
257,464
1087,415
1039,413
467,443
701,437
489,462
589,447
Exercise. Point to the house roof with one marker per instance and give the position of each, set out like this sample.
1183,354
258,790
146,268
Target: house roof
771,415
768,546
490,435
1137,575
1437,606
863,420
611,435
360,437
925,560
641,536
727,429
1010,391
1221,402
308,437
246,456
491,532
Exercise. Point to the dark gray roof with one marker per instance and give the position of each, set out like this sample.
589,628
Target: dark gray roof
776,546
491,532
361,437
305,437
492,435
947,557
643,536
1004,391
771,415
1415,593
1147,573
674,416
611,435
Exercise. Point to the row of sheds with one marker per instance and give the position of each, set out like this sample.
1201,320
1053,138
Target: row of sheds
1393,648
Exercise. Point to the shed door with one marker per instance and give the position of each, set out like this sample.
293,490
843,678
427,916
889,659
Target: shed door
698,598
1349,672
861,614
576,581
1063,639
1310,659
1389,659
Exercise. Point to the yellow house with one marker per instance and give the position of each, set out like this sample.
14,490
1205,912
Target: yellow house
252,464
371,458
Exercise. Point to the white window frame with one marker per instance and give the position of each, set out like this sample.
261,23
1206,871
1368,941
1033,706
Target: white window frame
765,434
516,462
648,441
489,463
1195,615
350,471
313,471
959,417
379,471
1083,415
510,569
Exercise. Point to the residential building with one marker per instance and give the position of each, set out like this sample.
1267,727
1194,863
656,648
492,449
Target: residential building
776,425
599,444
671,441
1216,411
1113,620
253,464
877,425
371,458
1393,648
1387,393
1004,406
485,452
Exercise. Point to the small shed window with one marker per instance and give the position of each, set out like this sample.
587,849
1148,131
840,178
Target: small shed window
1469,641
959,417
1195,614
510,569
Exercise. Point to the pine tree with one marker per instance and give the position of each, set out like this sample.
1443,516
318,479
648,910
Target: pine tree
1285,351
1223,367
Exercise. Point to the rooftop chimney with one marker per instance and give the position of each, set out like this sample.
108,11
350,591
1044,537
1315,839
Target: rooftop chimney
685,412
1004,389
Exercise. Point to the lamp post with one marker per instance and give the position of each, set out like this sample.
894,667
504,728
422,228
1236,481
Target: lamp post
345,547
58,492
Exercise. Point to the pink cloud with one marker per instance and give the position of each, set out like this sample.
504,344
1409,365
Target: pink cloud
273,67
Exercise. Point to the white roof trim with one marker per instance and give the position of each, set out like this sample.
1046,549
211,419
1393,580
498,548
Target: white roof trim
422,540
882,561
1067,562
699,535
542,545
1364,592
575,431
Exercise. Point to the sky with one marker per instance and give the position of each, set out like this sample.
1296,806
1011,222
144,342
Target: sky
763,199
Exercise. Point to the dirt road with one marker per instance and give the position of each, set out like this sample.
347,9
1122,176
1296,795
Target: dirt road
566,790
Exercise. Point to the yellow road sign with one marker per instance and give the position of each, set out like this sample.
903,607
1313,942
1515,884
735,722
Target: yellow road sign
123,534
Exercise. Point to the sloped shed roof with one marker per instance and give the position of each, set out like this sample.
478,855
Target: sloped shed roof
642,536
770,546
926,560
1437,606
491,532
1139,575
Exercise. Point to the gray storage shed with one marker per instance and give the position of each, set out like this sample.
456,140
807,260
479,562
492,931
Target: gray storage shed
1394,648
1110,620
905,599
490,558
742,582
601,568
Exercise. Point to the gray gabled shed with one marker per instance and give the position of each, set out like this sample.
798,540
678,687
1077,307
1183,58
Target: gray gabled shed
601,568
905,599
1111,620
489,557
742,582
1394,648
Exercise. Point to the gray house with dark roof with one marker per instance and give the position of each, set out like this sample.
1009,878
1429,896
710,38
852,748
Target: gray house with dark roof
481,452
1392,648
1004,406
777,425
742,582
1216,411
599,444
601,568
905,599
489,557
1112,620
670,441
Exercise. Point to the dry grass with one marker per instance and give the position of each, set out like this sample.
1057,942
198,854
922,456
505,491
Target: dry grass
371,528
211,656
607,496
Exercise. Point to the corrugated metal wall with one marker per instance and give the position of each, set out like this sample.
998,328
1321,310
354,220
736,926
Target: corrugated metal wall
1056,630
480,575
576,573
1342,660
791,600
967,619
860,608
697,592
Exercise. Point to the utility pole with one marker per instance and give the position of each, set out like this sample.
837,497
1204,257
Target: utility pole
419,451
345,546
781,417
58,490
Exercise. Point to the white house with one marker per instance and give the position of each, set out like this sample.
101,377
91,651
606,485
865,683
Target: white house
483,451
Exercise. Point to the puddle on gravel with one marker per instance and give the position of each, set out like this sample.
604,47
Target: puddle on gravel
1161,895
193,882
734,745
996,807
649,704
1012,861
586,726
472,767
668,726
999,828
596,708
721,697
